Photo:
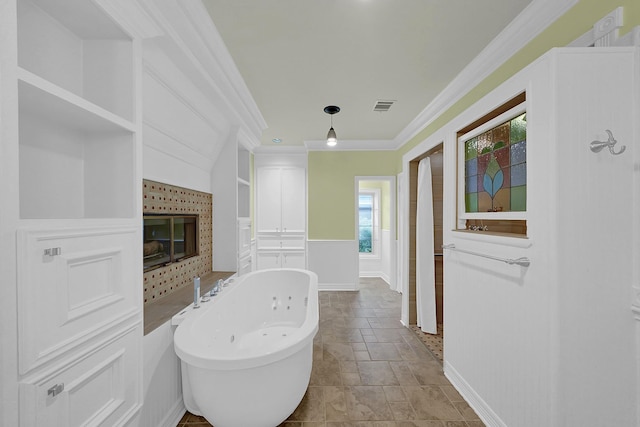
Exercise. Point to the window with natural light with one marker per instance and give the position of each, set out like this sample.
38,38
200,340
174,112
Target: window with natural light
367,222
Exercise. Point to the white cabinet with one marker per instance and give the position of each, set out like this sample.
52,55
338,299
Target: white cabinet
281,199
73,284
70,132
231,189
280,213
94,389
280,250
281,259
245,262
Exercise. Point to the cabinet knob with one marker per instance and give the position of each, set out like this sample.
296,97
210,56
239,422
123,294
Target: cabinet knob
55,390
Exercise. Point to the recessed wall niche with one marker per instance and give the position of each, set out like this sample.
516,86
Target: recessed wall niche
159,198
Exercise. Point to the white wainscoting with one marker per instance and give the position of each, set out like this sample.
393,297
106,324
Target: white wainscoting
379,266
335,262
484,411
163,404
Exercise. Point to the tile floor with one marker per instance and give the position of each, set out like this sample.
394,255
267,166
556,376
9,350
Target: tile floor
434,342
369,370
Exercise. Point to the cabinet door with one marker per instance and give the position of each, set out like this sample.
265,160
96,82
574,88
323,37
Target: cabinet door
269,190
101,387
293,260
268,260
244,265
294,188
73,284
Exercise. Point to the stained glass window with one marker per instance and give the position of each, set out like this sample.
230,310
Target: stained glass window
495,168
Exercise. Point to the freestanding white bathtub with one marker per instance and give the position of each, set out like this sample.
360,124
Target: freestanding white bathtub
247,354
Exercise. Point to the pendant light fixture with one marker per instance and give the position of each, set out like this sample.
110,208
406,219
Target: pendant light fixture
332,140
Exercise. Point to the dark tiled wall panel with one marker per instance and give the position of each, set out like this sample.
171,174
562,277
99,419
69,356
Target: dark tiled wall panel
169,199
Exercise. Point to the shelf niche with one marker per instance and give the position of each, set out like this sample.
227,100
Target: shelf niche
76,112
73,45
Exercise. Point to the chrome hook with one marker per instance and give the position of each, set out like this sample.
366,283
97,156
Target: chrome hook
597,146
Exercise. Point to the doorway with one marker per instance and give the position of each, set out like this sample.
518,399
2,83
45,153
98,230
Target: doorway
376,227
436,162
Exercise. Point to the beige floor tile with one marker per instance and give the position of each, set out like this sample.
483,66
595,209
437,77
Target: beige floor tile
430,403
467,412
350,378
451,393
383,351
377,373
394,394
361,355
388,335
402,411
338,351
422,423
428,372
335,404
325,372
359,346
312,407
367,403
403,373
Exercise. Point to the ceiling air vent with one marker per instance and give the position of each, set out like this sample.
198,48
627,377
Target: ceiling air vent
383,105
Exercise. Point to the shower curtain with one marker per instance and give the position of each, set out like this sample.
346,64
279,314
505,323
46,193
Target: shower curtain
425,269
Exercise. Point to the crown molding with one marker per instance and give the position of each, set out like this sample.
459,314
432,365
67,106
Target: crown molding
351,145
280,149
524,28
132,16
193,42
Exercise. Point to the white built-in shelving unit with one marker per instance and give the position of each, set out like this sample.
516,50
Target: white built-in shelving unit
231,188
76,112
77,226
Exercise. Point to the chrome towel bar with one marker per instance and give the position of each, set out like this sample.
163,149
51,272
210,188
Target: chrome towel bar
523,261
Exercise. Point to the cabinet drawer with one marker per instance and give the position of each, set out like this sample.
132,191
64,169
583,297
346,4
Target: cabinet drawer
281,242
101,387
73,284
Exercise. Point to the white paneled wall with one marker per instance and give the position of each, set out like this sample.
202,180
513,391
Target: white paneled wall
335,262
552,344
162,380
188,119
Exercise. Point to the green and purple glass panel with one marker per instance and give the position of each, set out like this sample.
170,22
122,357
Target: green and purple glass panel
496,168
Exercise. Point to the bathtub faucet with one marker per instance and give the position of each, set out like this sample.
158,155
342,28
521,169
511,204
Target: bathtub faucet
217,287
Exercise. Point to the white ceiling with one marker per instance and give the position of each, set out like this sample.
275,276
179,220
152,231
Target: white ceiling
298,56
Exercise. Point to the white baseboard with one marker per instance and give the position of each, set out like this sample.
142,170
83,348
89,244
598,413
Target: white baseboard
337,286
486,414
174,416
379,274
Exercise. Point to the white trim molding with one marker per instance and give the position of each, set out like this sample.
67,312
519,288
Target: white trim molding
606,32
193,42
351,145
484,411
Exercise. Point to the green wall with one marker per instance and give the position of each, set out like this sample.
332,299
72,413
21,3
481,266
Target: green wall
331,187
331,174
